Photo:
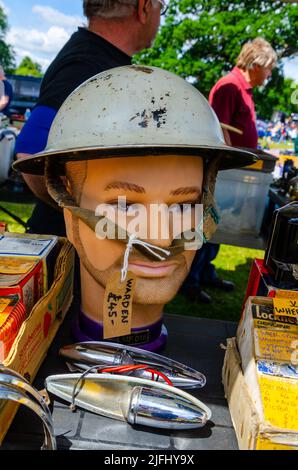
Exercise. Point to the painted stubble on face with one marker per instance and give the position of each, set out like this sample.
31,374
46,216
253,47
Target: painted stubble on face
146,181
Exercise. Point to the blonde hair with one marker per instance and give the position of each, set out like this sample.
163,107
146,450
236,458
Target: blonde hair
256,52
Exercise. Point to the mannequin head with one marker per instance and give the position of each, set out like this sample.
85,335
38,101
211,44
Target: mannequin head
147,135
145,180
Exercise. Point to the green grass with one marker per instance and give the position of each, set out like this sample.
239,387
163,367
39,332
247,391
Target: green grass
21,210
280,146
232,263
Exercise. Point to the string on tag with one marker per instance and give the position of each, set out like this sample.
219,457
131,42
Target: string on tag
133,240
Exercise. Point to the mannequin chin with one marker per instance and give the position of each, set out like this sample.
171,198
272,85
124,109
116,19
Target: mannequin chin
142,180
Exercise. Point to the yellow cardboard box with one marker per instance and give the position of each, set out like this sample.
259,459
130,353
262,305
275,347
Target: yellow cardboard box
252,431
40,328
260,377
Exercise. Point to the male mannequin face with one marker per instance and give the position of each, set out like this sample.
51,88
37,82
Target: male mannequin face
142,180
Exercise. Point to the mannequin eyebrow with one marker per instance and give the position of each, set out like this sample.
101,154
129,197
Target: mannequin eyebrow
183,191
186,191
126,186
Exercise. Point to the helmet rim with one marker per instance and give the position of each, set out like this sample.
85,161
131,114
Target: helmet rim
231,157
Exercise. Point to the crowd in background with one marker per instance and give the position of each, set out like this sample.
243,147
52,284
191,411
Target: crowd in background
282,128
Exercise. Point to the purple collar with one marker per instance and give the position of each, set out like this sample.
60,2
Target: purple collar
151,337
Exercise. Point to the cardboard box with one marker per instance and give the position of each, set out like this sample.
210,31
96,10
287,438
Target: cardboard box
22,277
260,377
12,315
252,431
36,247
7,303
40,328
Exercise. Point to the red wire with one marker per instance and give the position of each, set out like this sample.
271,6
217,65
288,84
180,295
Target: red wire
130,368
127,368
160,374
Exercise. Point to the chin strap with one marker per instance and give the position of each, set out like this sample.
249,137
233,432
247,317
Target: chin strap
58,192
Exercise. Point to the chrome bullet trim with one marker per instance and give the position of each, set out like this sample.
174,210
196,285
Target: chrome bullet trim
81,356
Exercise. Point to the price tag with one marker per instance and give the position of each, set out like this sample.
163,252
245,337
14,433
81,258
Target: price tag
287,294
285,307
117,309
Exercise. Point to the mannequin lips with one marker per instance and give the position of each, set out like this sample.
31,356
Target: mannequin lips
145,269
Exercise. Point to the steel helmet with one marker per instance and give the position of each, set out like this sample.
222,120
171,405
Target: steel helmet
133,111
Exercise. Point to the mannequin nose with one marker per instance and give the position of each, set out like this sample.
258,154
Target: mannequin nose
159,227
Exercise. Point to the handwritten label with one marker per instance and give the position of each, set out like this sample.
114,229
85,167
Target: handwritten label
287,294
285,307
274,345
280,398
117,309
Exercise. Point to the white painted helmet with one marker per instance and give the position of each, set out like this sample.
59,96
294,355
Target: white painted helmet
135,111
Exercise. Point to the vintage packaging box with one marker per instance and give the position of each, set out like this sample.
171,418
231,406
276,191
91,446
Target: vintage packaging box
36,247
23,277
260,377
39,329
12,315
7,304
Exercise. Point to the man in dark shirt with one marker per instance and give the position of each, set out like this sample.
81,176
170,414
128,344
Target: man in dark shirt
116,30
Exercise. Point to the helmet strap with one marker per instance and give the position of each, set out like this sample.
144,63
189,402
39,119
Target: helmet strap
62,197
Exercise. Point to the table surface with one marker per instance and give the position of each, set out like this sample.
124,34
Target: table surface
193,341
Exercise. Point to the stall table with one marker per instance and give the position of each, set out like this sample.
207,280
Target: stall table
193,341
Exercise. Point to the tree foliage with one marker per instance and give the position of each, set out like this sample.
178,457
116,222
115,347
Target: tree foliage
6,51
28,67
201,39
277,95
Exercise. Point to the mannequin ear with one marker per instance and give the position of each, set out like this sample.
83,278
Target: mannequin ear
144,8
69,225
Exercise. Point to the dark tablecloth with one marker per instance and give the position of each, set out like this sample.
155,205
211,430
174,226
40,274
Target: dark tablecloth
193,341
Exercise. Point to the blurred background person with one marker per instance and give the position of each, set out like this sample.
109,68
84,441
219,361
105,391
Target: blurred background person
116,30
6,93
232,100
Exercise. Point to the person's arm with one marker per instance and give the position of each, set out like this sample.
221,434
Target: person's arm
33,139
4,100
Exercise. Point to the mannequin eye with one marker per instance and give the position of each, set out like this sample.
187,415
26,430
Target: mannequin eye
187,206
183,208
